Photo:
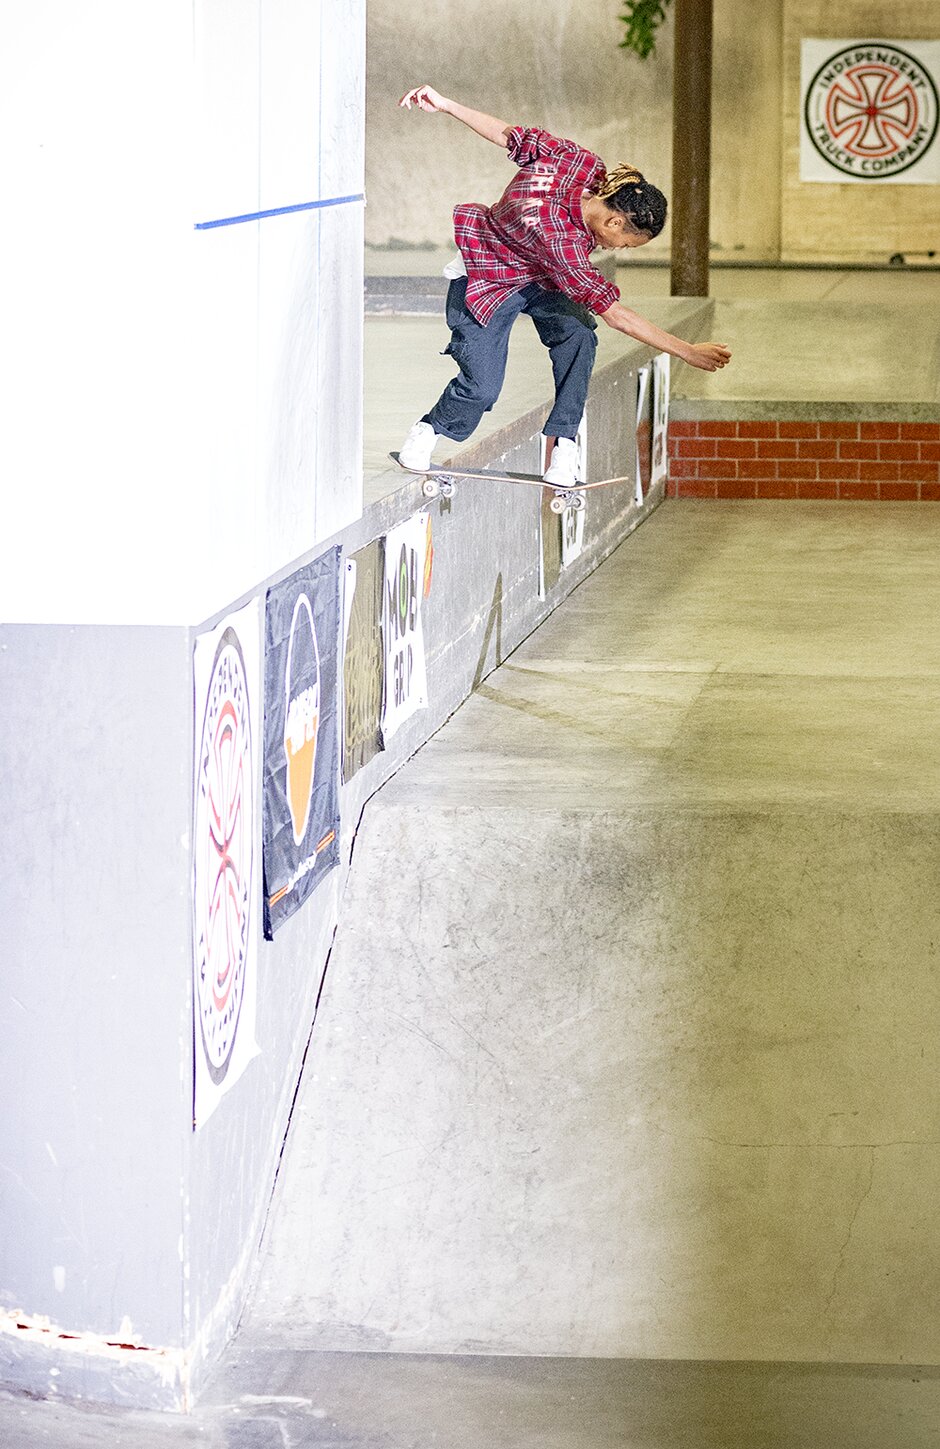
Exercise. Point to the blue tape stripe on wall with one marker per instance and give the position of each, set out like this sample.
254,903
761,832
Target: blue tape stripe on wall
279,211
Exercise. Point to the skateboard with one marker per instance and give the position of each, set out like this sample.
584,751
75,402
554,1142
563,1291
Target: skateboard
440,480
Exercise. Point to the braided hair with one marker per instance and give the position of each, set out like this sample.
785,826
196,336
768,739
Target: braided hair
626,190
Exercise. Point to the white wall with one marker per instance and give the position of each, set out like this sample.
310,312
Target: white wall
182,406
181,419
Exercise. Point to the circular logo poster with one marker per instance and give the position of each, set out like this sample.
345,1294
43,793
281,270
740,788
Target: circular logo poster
226,683
870,112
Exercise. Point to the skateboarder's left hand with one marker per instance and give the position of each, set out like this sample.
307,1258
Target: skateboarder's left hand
426,97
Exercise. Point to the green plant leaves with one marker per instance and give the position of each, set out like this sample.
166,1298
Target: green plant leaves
642,19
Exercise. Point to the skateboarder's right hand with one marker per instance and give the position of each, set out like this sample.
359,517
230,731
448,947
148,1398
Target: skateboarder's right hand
426,97
709,356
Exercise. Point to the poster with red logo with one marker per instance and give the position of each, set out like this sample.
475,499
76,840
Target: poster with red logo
869,111
226,853
301,736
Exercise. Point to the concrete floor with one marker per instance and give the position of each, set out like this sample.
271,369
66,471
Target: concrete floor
352,1401
706,1117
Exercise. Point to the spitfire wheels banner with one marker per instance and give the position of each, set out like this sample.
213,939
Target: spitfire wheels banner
226,854
301,736
869,111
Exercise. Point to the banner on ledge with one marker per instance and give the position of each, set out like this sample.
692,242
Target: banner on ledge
226,854
301,736
660,463
363,660
644,432
405,684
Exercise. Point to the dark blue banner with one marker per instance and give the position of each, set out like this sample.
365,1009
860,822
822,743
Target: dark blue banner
301,736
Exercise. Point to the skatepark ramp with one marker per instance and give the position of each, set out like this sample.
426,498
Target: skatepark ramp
626,1045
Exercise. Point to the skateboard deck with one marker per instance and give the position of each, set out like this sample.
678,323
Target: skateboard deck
439,479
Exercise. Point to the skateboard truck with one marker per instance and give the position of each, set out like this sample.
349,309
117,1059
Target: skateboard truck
445,486
563,498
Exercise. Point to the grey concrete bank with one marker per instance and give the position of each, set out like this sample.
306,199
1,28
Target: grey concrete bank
646,1011
128,1240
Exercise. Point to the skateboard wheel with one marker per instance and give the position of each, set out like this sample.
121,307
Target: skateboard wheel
448,489
577,500
557,504
430,488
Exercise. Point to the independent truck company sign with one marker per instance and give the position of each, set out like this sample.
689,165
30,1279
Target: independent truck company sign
870,111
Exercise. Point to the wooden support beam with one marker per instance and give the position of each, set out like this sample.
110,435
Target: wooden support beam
691,146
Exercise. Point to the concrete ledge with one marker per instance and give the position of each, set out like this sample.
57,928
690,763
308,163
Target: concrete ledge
698,409
405,294
821,411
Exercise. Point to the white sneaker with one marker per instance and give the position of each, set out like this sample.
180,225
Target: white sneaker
562,470
416,450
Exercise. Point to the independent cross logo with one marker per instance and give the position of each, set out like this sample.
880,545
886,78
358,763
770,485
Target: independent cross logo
871,110
223,842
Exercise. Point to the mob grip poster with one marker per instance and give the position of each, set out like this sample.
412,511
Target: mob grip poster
301,736
407,556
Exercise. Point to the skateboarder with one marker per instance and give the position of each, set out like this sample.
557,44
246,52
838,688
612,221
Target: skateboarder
530,253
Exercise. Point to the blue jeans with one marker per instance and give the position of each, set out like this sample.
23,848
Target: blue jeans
566,329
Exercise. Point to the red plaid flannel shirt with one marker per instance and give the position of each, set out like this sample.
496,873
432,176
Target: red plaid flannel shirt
535,232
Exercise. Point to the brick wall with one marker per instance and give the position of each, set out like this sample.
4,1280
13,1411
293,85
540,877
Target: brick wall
804,460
